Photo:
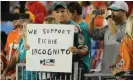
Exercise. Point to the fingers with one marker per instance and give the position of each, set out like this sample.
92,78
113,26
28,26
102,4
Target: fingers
103,11
73,50
27,47
92,15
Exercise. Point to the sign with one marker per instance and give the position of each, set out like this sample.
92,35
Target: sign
49,45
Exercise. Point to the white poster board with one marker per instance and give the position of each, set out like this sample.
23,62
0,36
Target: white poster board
49,45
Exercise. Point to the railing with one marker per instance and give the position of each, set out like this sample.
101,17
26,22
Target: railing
22,74
39,75
103,76
99,76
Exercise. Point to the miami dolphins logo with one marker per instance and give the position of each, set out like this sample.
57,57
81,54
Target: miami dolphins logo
81,39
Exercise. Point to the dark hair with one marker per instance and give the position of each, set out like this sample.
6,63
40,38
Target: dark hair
10,17
16,7
74,6
3,40
86,3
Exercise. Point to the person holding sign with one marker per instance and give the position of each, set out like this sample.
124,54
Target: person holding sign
60,14
79,48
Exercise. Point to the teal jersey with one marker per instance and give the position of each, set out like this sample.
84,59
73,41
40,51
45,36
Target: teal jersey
79,40
21,50
86,59
22,54
84,28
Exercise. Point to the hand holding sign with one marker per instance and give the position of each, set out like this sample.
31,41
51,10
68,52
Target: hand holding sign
27,47
73,49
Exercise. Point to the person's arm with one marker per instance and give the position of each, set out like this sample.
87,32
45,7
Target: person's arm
91,27
112,26
81,51
116,61
118,32
95,32
127,54
12,64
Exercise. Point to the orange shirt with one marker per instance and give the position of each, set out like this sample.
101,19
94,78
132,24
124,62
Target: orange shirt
126,53
98,21
13,37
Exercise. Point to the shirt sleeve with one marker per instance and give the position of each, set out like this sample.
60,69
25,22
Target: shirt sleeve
120,34
82,44
126,52
99,33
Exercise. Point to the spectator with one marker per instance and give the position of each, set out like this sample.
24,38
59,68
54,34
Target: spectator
16,10
126,47
38,9
111,33
99,20
3,62
19,56
124,60
79,49
61,8
13,37
97,45
75,14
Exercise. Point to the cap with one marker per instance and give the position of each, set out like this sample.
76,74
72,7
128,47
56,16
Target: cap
59,4
118,5
31,15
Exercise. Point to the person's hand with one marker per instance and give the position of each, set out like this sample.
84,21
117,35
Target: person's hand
73,49
13,77
105,12
92,15
3,76
112,66
27,47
